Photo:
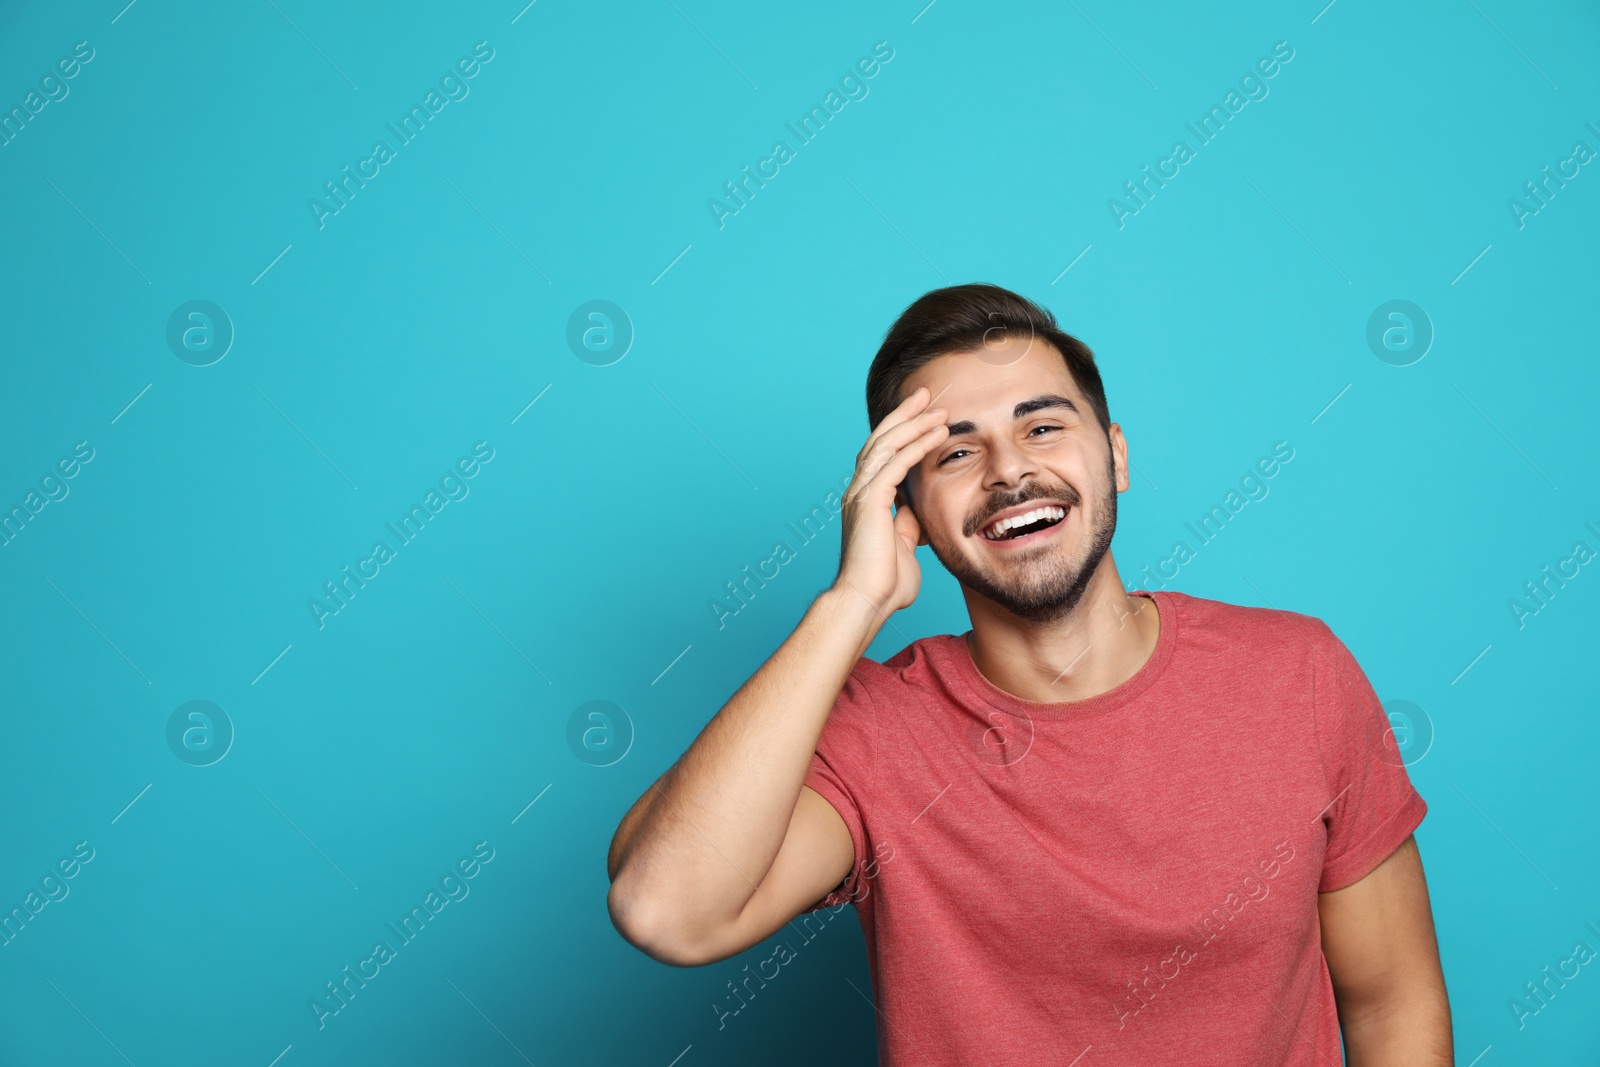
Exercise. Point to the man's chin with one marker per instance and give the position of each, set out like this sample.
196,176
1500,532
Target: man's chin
1026,598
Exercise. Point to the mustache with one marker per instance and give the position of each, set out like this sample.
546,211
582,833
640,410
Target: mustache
998,504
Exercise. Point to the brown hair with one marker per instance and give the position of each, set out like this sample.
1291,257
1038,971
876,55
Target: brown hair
961,318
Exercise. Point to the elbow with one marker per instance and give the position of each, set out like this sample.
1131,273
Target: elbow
654,930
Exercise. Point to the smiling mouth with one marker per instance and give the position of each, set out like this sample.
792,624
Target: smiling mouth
1026,525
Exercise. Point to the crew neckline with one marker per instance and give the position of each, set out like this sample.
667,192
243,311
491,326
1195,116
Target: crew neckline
979,687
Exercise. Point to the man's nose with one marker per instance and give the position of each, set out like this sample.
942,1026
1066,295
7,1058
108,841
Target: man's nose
1009,465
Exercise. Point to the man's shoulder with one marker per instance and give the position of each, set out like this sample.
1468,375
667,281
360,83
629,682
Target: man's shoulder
912,665
1210,623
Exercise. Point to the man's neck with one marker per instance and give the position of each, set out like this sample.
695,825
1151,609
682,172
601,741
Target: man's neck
1102,643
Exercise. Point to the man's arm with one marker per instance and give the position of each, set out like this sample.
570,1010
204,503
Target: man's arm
1383,957
730,844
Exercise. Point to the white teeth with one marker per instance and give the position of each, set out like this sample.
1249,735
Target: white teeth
999,529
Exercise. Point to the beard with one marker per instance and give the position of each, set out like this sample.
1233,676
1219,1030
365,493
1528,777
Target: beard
1048,584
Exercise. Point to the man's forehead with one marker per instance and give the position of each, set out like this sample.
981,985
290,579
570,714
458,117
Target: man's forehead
993,379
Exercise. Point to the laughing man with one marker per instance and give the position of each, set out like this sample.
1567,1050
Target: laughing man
1159,827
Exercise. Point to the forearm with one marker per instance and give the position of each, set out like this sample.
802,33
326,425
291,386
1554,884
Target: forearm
1404,1032
693,849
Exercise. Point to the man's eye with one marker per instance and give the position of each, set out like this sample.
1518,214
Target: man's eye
951,456
1030,432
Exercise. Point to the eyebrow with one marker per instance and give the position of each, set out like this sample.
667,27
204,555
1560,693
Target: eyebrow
1023,409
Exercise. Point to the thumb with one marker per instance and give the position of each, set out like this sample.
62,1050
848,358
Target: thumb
909,529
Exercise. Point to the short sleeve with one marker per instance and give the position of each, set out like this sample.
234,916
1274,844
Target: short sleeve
1372,805
843,769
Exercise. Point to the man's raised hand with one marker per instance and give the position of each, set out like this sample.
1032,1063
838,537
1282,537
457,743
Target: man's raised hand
878,551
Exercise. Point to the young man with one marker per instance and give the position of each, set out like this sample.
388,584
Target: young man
1133,828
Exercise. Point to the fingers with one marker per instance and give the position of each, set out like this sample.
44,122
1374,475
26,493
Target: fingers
886,471
907,409
888,445
898,436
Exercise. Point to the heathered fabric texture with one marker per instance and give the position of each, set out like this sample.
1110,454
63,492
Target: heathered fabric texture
1136,873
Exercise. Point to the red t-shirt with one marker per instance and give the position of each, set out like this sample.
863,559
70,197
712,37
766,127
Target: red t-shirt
1135,873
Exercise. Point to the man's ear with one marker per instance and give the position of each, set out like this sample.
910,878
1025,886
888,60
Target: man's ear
901,500
1121,479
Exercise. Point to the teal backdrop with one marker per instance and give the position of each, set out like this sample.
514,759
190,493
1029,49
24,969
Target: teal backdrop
579,346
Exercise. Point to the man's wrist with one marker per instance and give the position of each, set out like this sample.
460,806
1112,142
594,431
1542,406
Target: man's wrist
846,609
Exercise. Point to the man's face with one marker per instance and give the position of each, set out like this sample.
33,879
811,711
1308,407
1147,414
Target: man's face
1023,437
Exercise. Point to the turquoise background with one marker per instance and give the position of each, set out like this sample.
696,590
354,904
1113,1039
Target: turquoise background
432,712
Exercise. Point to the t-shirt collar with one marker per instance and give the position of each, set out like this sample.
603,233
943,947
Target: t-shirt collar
957,661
